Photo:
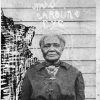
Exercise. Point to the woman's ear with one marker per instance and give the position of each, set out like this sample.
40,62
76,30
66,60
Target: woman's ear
62,49
62,46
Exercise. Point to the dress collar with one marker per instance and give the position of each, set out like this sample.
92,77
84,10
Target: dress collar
60,63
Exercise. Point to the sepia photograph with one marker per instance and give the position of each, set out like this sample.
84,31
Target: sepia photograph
48,50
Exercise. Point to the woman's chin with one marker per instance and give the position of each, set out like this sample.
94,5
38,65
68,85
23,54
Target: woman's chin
52,59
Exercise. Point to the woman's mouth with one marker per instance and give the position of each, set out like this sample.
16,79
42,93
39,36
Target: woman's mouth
52,55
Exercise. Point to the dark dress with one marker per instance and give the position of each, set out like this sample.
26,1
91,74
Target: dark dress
68,85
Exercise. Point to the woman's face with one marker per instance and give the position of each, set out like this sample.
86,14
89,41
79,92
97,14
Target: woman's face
51,48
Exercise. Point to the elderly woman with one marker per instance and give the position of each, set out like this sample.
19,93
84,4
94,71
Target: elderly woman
53,79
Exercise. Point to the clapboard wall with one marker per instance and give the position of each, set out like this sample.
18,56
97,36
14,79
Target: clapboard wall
79,33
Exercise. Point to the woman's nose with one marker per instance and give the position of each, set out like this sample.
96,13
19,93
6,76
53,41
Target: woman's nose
52,48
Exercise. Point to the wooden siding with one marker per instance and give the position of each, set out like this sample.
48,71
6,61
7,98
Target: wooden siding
59,3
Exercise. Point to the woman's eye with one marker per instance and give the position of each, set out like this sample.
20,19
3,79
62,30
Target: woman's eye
46,46
56,45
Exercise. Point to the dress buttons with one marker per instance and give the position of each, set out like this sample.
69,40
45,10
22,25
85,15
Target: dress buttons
49,91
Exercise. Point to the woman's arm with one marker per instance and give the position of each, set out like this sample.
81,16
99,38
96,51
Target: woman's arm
80,87
26,89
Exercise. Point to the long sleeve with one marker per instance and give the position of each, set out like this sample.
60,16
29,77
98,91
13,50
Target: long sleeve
80,87
26,89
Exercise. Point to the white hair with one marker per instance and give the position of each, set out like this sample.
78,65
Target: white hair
59,36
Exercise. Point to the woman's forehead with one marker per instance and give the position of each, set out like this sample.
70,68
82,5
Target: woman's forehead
51,39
